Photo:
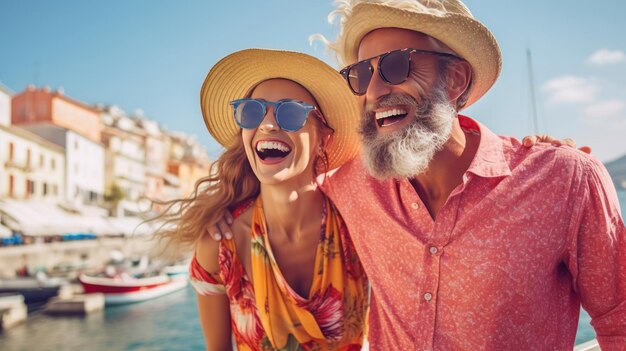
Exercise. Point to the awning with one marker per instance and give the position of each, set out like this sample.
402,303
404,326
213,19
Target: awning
5,232
37,218
130,226
44,218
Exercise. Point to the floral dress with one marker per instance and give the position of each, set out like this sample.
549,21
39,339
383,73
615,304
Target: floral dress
266,314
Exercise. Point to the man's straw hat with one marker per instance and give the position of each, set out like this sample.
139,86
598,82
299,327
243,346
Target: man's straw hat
449,21
236,75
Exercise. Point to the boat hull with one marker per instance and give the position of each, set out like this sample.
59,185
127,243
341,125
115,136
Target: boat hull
118,292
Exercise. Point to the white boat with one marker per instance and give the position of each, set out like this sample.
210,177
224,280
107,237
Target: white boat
126,289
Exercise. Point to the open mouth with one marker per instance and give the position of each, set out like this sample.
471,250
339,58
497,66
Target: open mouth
390,117
272,150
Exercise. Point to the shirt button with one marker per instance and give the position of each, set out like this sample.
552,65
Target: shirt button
415,205
433,250
428,296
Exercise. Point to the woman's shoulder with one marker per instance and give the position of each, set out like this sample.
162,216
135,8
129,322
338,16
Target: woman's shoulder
207,253
242,225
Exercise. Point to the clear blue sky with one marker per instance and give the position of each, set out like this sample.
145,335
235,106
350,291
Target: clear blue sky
153,55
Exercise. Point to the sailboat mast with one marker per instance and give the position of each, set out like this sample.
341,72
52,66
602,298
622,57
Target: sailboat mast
531,82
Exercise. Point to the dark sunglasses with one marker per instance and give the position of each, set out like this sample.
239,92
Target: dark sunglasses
394,68
290,115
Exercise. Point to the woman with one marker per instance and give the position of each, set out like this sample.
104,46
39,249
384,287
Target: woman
289,279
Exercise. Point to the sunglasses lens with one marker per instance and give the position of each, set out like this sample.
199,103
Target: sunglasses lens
249,114
395,67
359,77
291,116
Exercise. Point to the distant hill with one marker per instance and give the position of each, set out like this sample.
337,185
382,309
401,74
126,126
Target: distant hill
617,170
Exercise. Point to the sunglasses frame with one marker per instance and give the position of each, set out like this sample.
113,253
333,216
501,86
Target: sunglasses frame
406,53
277,104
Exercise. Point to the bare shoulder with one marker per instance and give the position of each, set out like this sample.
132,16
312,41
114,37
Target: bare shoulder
241,227
207,252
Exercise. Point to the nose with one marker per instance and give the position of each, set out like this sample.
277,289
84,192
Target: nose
268,124
377,87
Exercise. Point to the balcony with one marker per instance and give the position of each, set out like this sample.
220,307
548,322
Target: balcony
21,166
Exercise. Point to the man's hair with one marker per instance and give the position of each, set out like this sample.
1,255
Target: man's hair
344,10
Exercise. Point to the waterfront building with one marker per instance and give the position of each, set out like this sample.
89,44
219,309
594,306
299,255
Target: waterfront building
5,105
125,157
188,160
84,163
33,106
158,180
33,168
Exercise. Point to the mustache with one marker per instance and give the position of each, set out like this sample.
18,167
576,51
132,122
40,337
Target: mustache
368,128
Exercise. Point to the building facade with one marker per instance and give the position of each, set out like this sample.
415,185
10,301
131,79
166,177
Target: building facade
84,163
125,158
33,168
33,106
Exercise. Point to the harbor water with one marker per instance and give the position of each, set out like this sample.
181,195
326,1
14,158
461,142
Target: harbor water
166,323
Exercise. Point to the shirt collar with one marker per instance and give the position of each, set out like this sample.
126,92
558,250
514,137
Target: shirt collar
489,160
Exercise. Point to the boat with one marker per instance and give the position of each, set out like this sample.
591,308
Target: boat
36,290
124,288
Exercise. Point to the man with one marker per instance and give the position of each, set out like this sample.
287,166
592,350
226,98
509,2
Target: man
470,241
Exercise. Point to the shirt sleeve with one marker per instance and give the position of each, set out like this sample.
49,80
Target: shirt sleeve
203,282
600,262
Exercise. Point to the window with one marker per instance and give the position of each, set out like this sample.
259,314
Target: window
41,160
11,181
55,190
30,187
27,157
11,151
52,163
45,189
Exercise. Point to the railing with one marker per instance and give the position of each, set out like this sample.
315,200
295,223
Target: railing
24,167
591,345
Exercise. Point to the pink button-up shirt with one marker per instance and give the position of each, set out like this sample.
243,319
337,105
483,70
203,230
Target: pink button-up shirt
527,237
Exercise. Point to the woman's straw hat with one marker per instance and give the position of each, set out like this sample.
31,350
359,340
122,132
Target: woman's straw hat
237,74
449,21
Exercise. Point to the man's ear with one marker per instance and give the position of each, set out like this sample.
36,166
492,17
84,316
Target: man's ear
459,78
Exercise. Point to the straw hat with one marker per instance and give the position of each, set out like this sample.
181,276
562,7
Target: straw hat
449,21
237,74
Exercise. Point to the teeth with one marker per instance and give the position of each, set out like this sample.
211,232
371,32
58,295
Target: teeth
265,145
389,113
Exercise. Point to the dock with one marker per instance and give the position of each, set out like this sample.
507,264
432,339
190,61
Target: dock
79,304
13,310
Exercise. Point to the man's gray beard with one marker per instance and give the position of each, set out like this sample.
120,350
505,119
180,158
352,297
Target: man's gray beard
407,152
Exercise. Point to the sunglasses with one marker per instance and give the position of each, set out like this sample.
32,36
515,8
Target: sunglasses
394,68
290,115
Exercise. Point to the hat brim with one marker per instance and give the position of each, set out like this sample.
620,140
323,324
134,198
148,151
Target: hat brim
237,74
466,36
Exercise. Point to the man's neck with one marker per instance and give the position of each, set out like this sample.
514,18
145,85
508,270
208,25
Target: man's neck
446,169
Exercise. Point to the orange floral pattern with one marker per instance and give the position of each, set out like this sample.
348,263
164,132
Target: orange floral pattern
333,316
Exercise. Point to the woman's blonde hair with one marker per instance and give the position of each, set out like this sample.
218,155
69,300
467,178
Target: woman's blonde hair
230,182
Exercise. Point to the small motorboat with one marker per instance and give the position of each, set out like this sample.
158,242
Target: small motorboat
37,290
125,288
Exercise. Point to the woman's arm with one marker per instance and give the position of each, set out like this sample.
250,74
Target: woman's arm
214,315
213,309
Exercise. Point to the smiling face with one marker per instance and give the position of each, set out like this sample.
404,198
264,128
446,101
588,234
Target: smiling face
277,156
404,125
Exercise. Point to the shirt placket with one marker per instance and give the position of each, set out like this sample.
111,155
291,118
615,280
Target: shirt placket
434,243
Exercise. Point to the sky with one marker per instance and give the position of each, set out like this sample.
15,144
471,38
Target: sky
153,55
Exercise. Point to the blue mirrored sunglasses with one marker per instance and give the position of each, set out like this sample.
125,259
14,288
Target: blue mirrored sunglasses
290,115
